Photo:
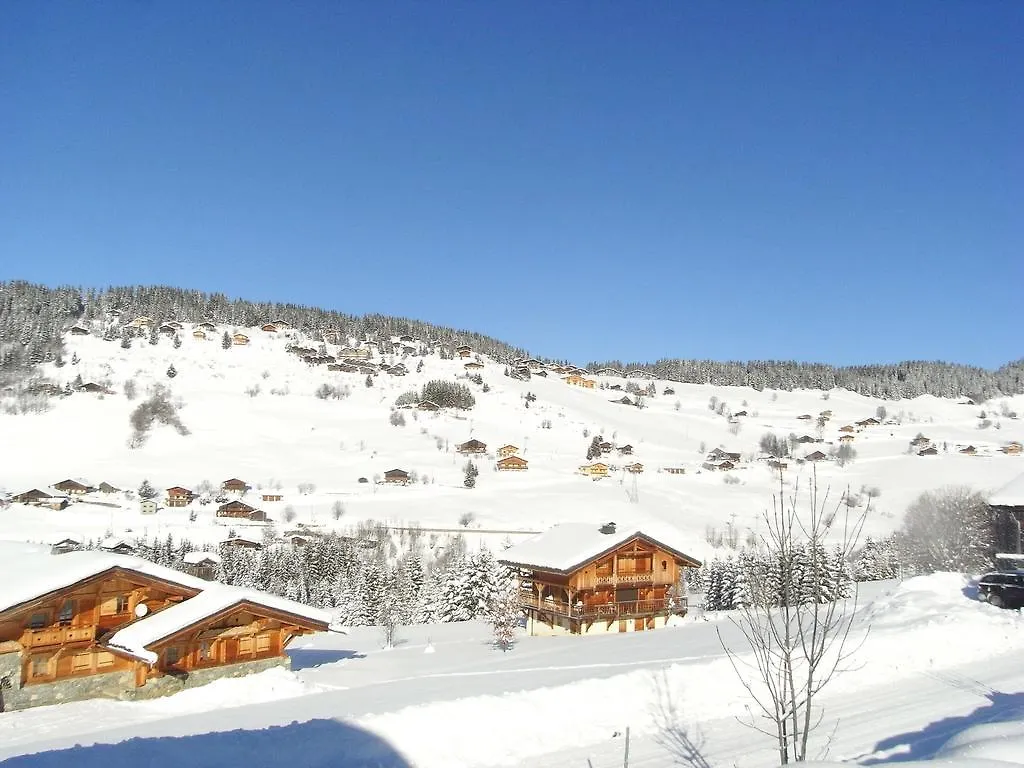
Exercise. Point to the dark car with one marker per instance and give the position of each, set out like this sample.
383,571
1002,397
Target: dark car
1003,589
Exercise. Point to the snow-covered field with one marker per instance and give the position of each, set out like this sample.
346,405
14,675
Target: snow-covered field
934,664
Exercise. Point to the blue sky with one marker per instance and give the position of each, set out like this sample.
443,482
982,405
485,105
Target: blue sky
827,181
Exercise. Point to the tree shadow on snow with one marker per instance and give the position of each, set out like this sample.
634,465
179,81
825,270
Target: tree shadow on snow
924,743
313,744
304,658
685,742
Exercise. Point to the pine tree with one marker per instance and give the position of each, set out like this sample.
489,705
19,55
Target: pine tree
154,335
146,490
176,342
171,371
505,615
225,341
369,380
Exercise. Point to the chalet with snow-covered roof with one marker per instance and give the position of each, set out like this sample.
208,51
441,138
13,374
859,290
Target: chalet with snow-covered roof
507,450
1011,449
34,497
472,446
396,477
116,546
239,339
199,333
610,372
107,488
463,350
234,485
65,544
805,417
597,469
207,326
869,422
920,441
473,366
427,405
846,438
675,470
847,428
637,373
579,578
179,497
931,450
513,464
202,565
625,450
119,627
815,456
272,496
242,541
92,387
635,469
73,487
77,330
240,509
969,450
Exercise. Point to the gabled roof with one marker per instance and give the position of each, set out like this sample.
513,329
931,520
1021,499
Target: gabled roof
22,580
135,638
1010,495
566,547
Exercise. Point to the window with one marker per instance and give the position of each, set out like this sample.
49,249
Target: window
81,662
604,568
262,643
171,656
664,565
67,613
122,603
104,659
39,620
245,646
40,666
204,651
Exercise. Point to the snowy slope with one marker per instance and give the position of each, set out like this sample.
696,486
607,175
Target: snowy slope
273,440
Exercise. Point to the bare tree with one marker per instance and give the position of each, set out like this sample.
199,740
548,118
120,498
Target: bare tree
796,647
949,529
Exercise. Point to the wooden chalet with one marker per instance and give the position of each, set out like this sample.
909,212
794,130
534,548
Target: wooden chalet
507,450
846,438
472,446
199,333
92,387
242,541
202,565
77,330
869,422
239,339
34,497
396,477
473,366
207,326
269,328
597,469
125,628
428,405
675,470
238,508
970,450
635,468
73,487
66,544
463,350
1011,449
815,456
1007,507
513,464
576,380
116,546
625,450
931,450
847,428
605,447
803,439
272,497
106,487
234,485
585,579
179,497
920,440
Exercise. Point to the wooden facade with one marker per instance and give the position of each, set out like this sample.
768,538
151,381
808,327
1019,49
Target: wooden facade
64,634
513,464
61,633
634,587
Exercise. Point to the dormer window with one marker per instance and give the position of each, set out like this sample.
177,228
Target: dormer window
67,613
39,620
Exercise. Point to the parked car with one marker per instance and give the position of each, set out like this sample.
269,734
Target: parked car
1003,589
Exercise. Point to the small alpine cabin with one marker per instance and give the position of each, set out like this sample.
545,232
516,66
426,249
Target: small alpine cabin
582,579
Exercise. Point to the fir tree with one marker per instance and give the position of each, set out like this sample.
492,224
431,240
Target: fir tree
225,341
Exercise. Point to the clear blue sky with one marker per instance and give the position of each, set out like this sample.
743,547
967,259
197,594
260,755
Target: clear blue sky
834,181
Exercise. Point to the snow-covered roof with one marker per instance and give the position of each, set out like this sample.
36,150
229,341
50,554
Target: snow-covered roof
134,638
29,571
1010,495
191,558
566,546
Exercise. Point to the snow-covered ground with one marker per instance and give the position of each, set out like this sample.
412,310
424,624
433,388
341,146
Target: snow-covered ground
934,664
273,440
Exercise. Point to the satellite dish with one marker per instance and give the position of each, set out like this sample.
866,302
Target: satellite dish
141,610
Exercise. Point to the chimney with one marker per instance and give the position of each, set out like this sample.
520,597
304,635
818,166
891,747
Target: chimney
608,528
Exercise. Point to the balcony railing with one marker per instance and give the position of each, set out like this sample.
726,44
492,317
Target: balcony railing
605,610
58,636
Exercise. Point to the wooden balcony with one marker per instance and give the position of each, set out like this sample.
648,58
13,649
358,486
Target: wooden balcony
633,608
33,638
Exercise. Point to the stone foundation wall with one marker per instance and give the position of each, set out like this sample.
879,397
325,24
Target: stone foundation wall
116,685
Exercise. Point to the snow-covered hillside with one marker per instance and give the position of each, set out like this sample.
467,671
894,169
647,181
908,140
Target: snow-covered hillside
252,414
